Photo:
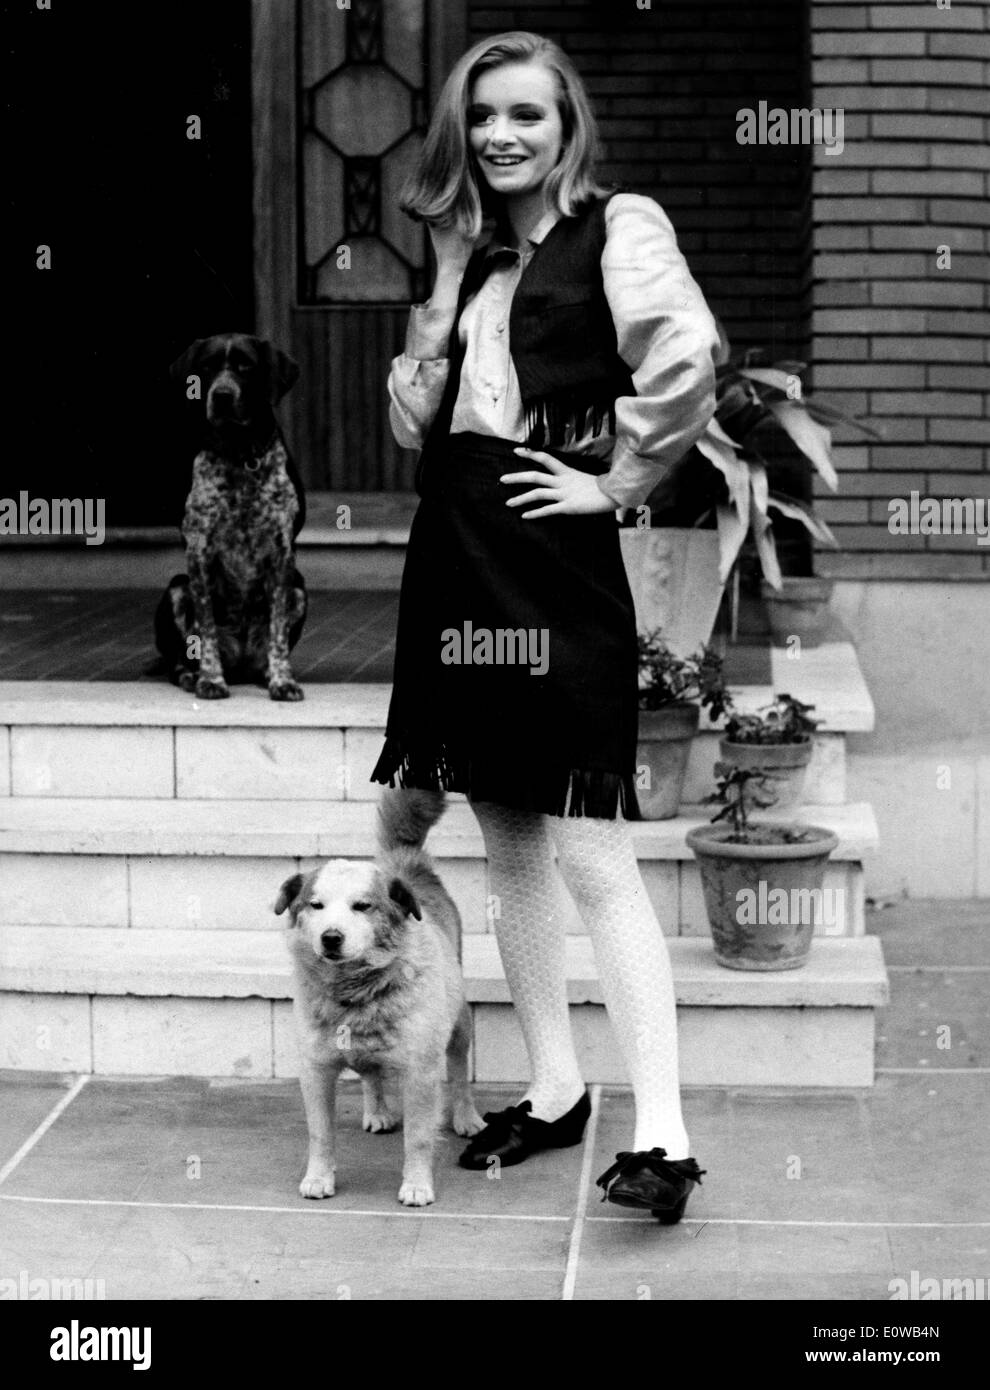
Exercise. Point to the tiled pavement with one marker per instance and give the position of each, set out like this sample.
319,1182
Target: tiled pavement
108,635
186,1188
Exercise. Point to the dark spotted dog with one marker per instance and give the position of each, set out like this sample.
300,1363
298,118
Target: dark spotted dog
241,608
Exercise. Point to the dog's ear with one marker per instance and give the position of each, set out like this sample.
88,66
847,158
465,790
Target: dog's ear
403,896
288,893
283,372
191,360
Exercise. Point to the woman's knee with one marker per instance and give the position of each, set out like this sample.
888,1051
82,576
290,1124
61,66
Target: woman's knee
592,855
505,826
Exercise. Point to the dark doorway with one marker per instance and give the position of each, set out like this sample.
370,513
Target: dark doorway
150,235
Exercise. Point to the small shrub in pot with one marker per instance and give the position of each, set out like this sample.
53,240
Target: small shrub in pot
776,740
762,881
673,690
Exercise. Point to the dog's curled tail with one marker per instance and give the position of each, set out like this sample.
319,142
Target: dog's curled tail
405,817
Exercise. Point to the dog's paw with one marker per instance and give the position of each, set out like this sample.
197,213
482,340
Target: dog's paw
380,1121
322,1185
286,690
209,689
465,1121
416,1194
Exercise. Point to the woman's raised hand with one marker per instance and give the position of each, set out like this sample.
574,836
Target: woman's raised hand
451,247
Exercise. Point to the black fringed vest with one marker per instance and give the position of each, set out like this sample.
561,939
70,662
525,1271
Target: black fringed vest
561,338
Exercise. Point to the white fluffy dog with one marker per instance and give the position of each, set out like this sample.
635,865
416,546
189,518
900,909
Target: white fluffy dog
378,987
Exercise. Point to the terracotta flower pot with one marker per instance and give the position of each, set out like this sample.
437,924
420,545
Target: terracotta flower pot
800,609
664,747
785,763
761,897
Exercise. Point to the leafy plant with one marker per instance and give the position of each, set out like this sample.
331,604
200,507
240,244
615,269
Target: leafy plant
787,720
671,679
740,790
753,397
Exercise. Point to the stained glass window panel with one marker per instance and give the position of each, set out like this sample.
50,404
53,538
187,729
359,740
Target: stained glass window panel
399,230
403,37
376,273
323,181
361,99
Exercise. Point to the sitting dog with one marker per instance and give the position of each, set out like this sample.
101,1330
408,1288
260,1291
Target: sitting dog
378,987
242,606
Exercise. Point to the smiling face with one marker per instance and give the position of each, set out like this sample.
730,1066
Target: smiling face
515,128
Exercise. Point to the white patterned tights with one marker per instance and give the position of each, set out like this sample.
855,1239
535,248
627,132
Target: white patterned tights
597,862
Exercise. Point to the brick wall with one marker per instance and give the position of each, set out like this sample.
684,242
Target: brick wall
829,256
666,84
894,338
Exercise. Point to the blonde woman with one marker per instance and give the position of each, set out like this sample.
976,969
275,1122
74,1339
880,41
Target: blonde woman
563,362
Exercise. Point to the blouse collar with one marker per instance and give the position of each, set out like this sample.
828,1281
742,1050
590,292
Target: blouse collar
549,220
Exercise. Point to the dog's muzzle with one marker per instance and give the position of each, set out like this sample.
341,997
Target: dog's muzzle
331,941
223,400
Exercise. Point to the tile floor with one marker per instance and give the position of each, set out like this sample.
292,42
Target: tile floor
108,635
186,1187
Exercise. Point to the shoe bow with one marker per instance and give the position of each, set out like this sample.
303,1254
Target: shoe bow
501,1123
654,1161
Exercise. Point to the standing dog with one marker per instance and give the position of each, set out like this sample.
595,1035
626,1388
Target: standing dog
241,608
378,987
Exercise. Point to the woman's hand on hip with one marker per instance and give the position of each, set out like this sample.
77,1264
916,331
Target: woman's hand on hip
566,491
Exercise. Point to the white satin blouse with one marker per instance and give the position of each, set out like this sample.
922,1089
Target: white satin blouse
665,332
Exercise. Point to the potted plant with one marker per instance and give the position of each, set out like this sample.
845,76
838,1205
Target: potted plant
776,740
799,608
672,692
762,881
723,489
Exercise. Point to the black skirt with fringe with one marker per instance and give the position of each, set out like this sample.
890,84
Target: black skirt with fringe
516,668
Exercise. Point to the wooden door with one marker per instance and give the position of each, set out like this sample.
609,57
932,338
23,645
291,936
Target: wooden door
341,102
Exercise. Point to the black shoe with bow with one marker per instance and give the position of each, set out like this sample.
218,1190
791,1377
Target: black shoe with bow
512,1135
650,1179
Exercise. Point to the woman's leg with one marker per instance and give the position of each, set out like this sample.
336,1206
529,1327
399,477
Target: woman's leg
528,908
598,863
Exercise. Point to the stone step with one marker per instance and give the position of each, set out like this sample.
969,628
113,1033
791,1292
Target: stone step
75,738
294,764
133,739
308,829
159,1002
214,893
361,564
211,865
248,964
829,676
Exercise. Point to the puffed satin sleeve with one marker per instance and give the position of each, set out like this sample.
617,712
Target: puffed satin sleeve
667,338
419,375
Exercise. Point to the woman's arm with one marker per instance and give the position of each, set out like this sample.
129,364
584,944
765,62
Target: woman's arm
419,374
666,336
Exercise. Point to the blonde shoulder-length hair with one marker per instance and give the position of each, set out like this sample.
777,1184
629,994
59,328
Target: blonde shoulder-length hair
444,186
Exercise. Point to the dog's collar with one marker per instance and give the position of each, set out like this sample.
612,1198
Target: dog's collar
248,451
